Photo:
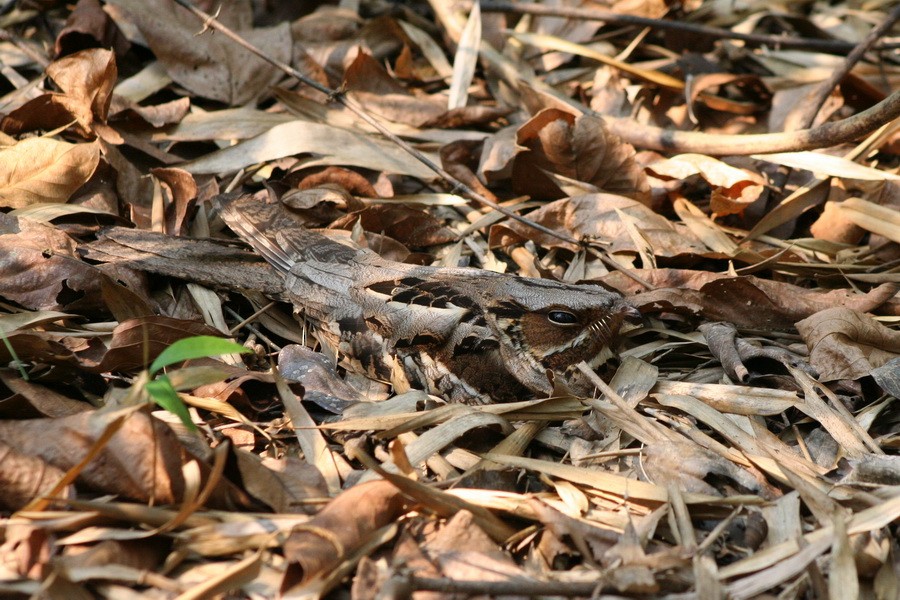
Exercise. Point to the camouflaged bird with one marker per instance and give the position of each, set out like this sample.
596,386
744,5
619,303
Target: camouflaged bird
469,335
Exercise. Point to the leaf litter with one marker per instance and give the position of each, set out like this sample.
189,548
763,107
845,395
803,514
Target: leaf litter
743,443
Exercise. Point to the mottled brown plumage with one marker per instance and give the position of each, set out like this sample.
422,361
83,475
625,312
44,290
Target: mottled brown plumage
466,334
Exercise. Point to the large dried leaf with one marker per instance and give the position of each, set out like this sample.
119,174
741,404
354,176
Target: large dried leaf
42,269
25,478
40,170
733,189
846,344
86,80
330,145
142,460
580,148
209,65
368,83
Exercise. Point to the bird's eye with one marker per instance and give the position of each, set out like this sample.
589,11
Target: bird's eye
561,317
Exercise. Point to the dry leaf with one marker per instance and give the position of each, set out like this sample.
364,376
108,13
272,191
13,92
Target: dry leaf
733,189
210,65
317,547
577,147
332,145
368,83
846,344
86,79
38,170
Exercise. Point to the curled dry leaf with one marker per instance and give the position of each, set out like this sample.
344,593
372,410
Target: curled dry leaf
846,344
181,188
41,269
580,148
733,352
86,80
733,189
758,96
344,524
88,27
38,170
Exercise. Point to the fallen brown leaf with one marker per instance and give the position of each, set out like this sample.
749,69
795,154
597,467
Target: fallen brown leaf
38,170
846,344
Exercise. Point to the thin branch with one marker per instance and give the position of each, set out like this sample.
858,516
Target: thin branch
509,587
753,39
828,134
210,22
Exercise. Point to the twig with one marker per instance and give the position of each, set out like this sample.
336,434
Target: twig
210,22
827,134
824,89
509,588
590,14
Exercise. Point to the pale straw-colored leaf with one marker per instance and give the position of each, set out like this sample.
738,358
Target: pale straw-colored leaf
465,60
826,164
883,220
330,145
312,442
430,49
42,170
144,83
735,399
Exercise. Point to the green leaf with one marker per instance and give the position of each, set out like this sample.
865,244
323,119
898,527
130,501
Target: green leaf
162,392
200,346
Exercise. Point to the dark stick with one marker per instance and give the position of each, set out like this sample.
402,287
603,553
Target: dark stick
509,587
